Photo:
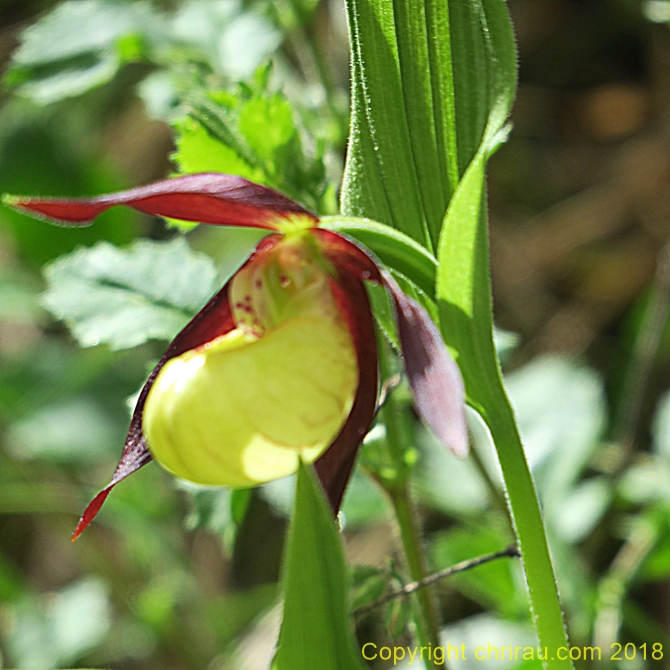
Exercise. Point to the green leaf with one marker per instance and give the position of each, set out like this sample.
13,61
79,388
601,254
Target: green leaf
364,504
466,494
464,298
254,134
233,38
267,124
559,403
316,631
379,180
82,44
425,87
432,88
556,403
74,48
199,150
123,297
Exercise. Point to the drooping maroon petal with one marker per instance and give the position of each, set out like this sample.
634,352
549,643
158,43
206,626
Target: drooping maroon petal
208,197
212,321
434,377
335,466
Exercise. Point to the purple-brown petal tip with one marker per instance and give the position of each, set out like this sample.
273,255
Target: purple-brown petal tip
434,376
213,320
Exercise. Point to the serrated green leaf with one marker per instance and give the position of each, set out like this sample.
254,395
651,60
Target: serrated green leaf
200,151
316,631
74,47
267,125
252,134
123,297
205,144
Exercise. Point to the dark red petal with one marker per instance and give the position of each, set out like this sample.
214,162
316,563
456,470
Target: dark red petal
434,376
335,466
213,320
208,197
345,254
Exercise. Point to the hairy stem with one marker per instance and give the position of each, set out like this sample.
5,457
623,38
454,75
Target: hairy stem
427,620
398,489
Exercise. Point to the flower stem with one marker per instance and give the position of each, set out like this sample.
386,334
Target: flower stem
395,481
427,622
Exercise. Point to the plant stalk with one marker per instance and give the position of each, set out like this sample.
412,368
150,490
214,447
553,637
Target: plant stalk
398,489
427,621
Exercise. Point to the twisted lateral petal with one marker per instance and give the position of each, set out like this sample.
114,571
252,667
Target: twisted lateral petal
214,320
208,197
334,467
434,376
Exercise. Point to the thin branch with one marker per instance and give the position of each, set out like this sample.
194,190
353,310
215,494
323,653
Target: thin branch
510,552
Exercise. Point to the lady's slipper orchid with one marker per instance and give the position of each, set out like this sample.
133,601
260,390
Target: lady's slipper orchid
281,364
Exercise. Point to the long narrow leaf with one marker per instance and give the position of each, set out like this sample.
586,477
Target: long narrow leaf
316,631
464,299
453,65
380,180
